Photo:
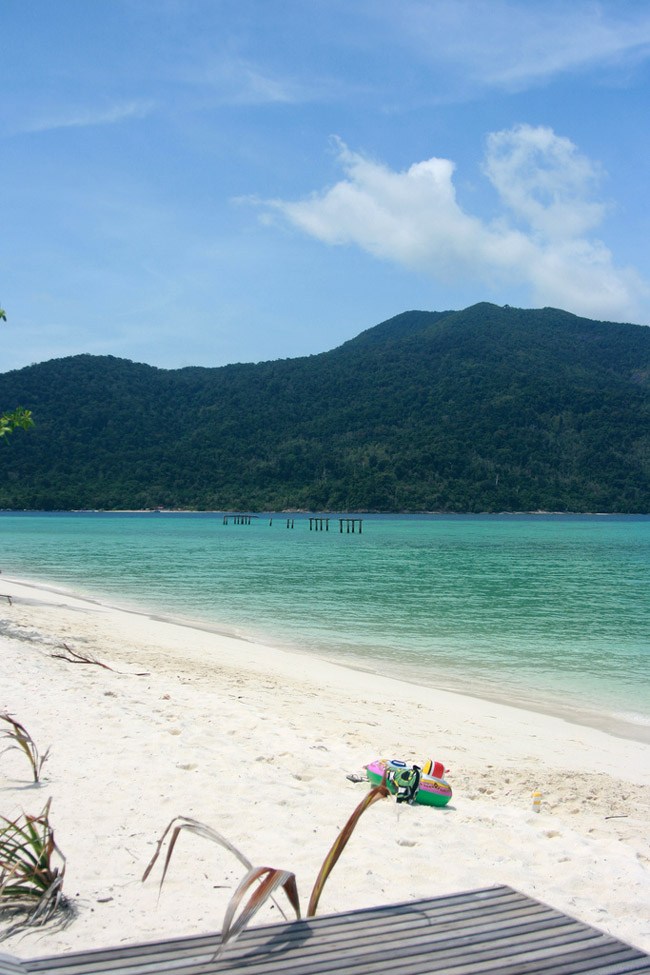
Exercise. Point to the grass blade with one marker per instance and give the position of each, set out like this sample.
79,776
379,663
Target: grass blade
22,739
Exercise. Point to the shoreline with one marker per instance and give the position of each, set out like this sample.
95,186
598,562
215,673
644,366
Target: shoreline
257,742
613,723
326,511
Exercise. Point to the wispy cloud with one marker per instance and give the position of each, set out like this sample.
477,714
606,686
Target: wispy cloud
513,45
239,81
540,240
81,118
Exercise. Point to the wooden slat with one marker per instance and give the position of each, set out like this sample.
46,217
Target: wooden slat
401,921
375,921
473,933
11,966
328,953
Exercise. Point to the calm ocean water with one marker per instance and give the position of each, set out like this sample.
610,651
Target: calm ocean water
549,611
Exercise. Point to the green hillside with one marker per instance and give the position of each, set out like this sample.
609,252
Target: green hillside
487,409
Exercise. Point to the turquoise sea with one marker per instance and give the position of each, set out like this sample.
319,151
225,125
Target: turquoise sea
548,611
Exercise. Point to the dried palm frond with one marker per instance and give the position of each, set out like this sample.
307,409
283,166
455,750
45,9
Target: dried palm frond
268,879
192,826
379,792
208,833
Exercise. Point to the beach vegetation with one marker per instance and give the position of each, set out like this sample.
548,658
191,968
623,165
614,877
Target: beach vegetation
21,739
485,410
12,421
30,878
19,417
264,881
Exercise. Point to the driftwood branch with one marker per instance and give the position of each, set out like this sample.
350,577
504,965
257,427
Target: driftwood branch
79,658
4,595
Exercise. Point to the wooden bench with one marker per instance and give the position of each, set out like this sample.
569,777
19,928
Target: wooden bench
482,931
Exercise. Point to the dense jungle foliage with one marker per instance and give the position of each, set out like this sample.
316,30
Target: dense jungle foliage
487,409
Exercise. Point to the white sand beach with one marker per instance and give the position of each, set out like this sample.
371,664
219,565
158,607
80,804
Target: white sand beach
257,742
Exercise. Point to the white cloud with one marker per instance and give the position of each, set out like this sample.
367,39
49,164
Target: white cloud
543,180
413,218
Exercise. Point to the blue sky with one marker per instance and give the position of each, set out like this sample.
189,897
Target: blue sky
198,182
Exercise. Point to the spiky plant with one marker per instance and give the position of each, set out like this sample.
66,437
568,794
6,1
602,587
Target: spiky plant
28,875
22,739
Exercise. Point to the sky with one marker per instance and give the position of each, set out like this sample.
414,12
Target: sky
201,182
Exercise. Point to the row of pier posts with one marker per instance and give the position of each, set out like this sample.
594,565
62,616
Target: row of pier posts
323,524
315,524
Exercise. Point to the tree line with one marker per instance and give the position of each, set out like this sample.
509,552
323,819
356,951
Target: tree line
487,409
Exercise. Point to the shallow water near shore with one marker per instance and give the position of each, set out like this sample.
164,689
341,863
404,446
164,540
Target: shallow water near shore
548,611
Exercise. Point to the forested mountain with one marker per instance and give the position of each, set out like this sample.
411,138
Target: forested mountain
487,409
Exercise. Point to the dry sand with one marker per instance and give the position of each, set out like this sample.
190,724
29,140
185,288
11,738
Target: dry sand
257,742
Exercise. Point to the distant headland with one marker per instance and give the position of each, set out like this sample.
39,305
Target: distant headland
490,409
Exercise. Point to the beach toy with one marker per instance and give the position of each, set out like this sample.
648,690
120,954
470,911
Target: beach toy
434,769
410,783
